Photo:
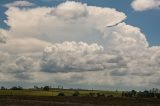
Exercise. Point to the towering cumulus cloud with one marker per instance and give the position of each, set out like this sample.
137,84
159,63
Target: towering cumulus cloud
70,10
142,5
72,56
70,42
2,36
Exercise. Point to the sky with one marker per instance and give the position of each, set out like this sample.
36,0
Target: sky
100,44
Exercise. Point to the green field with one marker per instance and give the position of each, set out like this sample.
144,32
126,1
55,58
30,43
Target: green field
55,92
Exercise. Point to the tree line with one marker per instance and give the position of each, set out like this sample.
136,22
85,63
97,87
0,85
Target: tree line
152,93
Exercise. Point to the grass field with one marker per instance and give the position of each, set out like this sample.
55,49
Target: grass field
67,92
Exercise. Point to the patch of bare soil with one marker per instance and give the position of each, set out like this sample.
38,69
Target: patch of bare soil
75,101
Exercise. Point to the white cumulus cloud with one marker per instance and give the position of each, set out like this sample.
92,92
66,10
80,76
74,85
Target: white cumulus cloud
70,42
21,3
142,5
56,24
71,56
3,36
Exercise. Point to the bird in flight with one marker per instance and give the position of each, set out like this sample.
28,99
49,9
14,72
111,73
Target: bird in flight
114,24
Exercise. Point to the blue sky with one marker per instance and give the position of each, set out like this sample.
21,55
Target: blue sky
147,21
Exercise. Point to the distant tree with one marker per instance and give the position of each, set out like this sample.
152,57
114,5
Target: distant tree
20,88
146,93
36,87
92,94
16,88
158,95
3,88
133,93
60,87
153,93
61,94
128,94
98,94
46,88
123,94
76,93
154,90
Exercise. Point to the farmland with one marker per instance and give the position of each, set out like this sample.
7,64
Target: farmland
31,97
55,92
74,101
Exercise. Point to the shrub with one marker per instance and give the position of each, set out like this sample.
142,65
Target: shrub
76,93
92,94
46,88
61,94
16,88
